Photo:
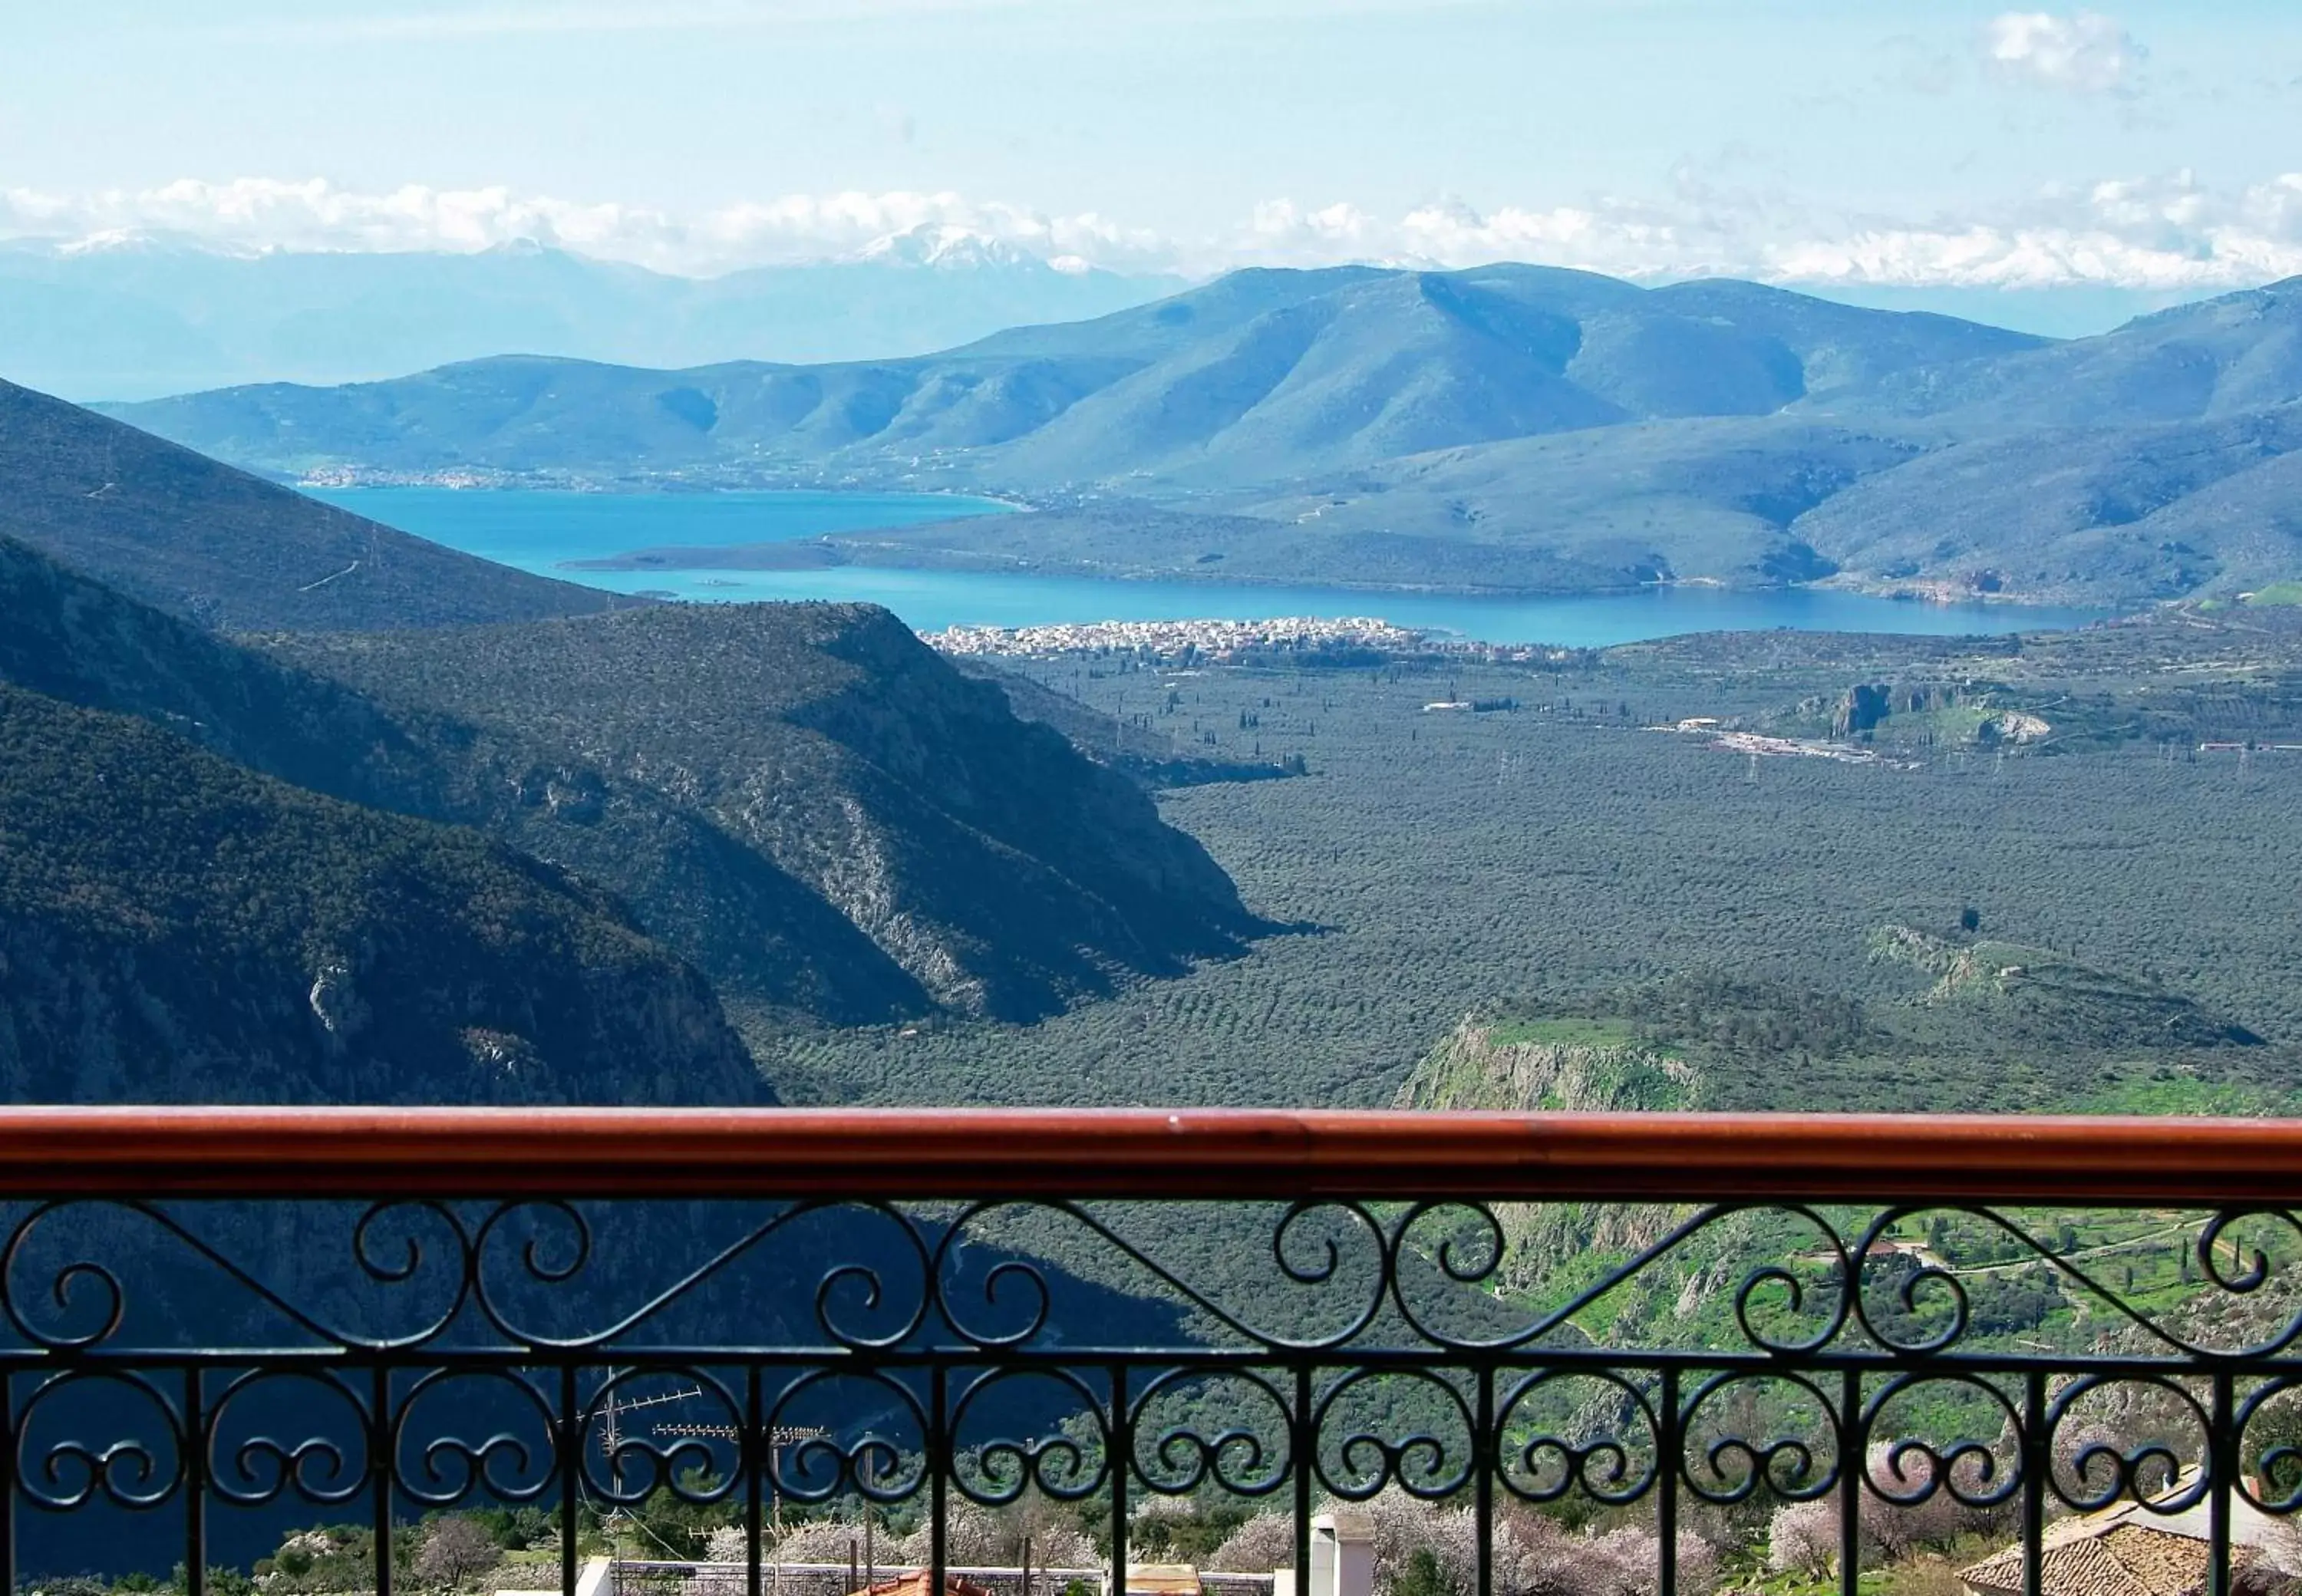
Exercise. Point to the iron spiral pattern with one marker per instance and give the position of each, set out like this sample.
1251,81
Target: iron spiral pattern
372,1362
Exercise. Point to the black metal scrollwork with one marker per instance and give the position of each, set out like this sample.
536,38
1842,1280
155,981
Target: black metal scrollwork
822,1354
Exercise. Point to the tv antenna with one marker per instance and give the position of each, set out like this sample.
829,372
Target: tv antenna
611,1432
778,1437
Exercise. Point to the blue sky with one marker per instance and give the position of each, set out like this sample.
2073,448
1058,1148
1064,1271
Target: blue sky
1881,143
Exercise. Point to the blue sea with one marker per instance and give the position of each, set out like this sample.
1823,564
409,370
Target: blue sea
540,530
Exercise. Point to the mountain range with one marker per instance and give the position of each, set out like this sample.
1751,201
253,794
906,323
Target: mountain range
136,317
543,858
1508,427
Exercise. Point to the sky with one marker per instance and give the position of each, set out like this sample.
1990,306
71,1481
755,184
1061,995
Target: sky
1866,145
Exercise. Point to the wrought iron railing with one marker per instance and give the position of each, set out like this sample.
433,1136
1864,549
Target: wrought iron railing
1675,1329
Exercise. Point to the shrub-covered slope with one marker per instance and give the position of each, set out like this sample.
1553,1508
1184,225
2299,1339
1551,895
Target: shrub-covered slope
176,927
999,868
807,802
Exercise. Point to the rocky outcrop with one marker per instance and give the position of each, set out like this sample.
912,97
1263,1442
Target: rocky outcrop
1565,1067
1569,1066
2020,988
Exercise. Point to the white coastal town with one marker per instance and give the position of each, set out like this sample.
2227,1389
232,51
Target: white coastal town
1178,639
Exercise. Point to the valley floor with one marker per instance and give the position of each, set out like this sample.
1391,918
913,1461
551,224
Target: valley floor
1552,847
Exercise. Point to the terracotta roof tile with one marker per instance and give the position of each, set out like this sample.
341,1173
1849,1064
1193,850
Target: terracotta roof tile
2088,1557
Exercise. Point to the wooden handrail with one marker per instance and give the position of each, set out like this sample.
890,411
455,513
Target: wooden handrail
1140,1153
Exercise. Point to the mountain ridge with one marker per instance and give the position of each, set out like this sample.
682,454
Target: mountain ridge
1509,428
207,541
153,316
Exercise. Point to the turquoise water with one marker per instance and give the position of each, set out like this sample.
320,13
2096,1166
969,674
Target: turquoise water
538,531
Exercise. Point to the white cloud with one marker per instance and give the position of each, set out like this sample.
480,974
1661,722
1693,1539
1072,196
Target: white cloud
2086,51
259,213
2163,232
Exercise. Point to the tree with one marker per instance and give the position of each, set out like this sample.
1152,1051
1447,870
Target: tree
1264,1542
1804,1538
1969,920
454,1550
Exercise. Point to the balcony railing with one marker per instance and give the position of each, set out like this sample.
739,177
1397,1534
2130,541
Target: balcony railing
1516,1339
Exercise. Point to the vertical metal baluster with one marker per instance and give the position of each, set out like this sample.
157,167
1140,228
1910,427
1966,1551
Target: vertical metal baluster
1486,1456
2036,1459
755,1453
1305,1447
380,1454
2222,1466
940,1464
195,1486
571,1461
7,1483
1852,1467
1122,1456
1666,1458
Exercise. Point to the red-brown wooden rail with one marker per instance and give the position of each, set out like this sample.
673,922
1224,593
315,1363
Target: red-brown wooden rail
1140,1153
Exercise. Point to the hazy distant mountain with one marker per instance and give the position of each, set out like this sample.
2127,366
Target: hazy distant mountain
1262,377
143,317
2222,358
2060,311
203,540
1508,427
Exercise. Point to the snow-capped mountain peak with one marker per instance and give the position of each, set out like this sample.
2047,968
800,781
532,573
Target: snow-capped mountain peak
947,248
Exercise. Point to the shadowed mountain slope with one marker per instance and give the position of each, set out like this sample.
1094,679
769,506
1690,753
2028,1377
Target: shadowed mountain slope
205,541
767,938
805,802
983,855
176,927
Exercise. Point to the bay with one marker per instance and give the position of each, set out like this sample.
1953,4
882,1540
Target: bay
540,530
